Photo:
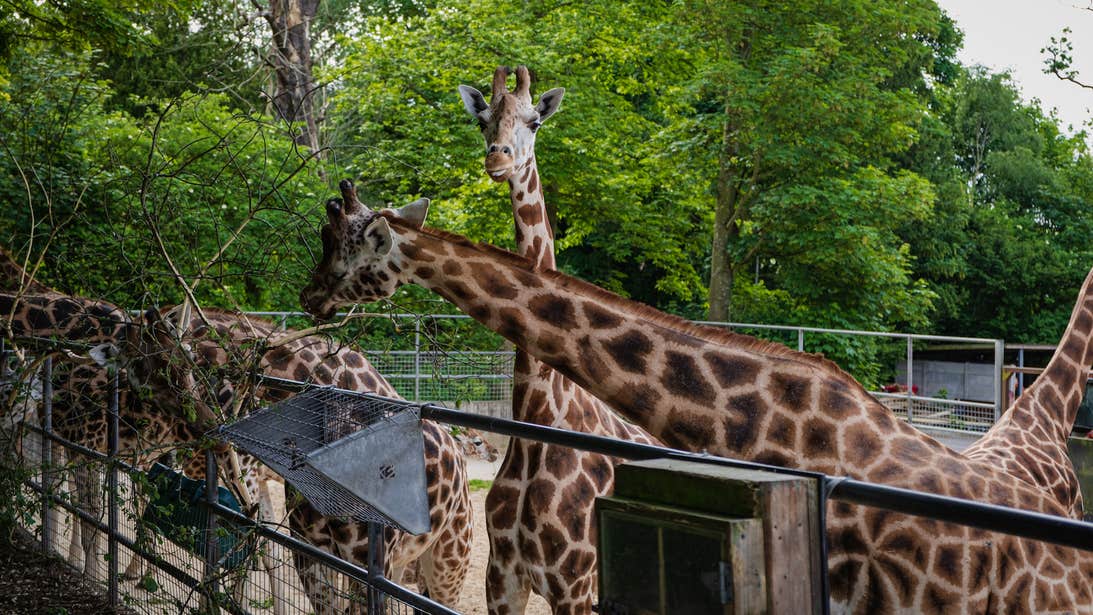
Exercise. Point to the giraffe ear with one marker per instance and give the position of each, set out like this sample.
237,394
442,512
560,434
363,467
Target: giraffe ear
549,103
474,103
415,212
378,234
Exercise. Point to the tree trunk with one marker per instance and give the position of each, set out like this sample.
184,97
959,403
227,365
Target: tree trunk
726,229
290,55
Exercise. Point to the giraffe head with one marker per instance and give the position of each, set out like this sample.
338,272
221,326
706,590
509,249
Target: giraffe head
359,262
510,120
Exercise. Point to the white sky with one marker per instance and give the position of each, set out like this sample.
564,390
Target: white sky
1008,34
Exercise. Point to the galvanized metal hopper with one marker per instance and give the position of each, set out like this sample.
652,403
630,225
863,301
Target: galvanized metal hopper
349,454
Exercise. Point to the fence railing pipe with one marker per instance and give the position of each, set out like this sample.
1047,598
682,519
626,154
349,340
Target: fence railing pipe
112,493
212,542
999,382
1026,524
910,380
47,455
375,568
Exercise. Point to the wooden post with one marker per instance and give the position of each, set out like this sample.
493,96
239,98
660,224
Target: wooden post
784,507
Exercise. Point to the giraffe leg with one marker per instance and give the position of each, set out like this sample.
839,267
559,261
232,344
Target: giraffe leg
442,569
89,499
273,554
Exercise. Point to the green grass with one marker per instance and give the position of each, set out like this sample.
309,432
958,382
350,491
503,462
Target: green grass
477,484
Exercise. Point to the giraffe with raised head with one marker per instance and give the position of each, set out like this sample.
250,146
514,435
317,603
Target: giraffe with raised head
702,388
232,345
539,511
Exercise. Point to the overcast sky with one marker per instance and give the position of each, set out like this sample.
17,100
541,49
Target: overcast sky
1008,34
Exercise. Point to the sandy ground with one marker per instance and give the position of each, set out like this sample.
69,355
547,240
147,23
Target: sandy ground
473,600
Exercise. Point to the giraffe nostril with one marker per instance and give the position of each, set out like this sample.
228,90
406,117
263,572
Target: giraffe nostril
506,150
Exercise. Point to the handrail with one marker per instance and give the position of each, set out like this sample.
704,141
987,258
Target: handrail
1013,521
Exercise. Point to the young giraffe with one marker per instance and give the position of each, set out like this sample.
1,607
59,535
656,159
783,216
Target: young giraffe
701,388
231,343
539,509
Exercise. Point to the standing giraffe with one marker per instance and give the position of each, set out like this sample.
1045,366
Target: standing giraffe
701,388
232,344
539,511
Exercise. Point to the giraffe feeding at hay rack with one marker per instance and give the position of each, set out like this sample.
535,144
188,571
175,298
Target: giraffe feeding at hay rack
349,454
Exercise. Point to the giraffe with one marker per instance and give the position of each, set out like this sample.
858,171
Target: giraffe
542,499
231,344
701,388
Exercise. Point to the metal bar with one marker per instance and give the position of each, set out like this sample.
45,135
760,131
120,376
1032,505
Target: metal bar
375,568
1025,524
910,380
417,359
800,340
999,384
47,454
1021,373
212,542
112,491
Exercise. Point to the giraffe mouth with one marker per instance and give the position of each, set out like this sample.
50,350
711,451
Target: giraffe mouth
499,175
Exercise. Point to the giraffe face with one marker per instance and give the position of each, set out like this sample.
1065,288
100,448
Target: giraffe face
510,121
359,262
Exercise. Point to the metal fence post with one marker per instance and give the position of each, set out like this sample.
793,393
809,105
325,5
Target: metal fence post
801,340
47,454
417,359
999,383
112,490
910,379
212,542
376,563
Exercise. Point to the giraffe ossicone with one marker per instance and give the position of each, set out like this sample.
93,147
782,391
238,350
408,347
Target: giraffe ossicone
699,388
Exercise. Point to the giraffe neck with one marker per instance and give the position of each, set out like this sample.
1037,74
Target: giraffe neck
534,237
692,387
1052,401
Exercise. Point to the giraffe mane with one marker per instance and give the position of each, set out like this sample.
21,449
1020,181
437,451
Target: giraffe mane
640,310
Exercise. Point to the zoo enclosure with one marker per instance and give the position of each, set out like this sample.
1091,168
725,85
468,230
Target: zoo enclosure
456,375
199,576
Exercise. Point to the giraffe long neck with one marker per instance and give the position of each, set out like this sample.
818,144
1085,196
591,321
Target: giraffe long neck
693,387
1052,401
534,237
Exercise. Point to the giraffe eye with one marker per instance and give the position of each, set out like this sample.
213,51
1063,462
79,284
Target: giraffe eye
535,124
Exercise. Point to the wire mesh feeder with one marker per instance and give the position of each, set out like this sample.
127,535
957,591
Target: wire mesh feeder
348,454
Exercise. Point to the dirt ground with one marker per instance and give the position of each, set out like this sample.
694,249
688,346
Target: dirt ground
33,584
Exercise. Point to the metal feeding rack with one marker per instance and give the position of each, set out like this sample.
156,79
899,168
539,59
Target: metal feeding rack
349,454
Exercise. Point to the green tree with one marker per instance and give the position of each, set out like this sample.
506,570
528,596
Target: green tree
800,113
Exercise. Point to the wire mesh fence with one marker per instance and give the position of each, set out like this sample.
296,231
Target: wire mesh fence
443,362
157,542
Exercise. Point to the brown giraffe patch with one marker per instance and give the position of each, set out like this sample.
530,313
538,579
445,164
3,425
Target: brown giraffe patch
696,431
598,317
495,284
682,377
732,370
555,310
629,350
782,431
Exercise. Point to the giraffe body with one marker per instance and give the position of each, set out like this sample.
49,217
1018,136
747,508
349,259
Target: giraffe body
539,511
701,388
